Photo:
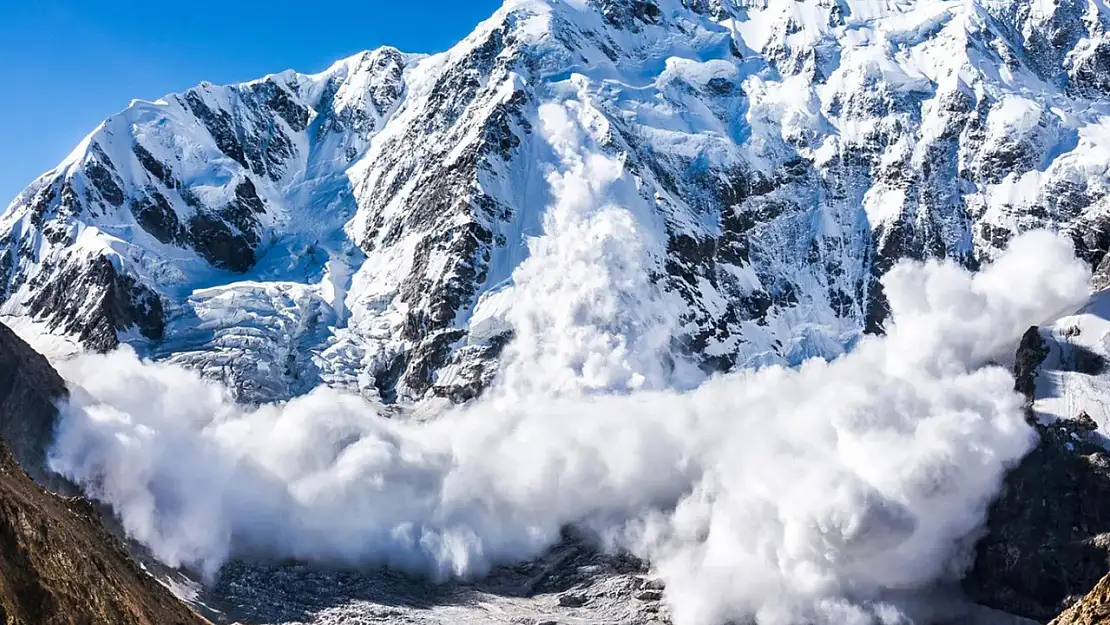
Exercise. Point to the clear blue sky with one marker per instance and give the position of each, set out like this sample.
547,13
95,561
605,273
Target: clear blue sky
68,64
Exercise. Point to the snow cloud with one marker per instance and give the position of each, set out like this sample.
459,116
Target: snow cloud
784,494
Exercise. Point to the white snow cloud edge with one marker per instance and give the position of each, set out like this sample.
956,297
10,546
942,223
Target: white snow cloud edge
779,494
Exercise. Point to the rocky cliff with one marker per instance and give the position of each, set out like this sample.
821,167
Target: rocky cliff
29,390
1093,609
58,564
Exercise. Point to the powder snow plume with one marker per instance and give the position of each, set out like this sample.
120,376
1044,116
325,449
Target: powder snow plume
785,495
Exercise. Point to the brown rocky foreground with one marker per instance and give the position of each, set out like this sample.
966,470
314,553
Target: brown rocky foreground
1093,609
60,566
58,563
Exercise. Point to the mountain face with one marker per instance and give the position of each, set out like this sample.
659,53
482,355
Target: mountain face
368,227
29,390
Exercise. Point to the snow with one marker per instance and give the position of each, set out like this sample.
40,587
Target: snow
1075,375
764,495
671,103
56,347
781,146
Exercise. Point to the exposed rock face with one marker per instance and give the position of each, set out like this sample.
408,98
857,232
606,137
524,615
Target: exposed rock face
1092,609
1048,539
59,566
29,389
779,158
1048,535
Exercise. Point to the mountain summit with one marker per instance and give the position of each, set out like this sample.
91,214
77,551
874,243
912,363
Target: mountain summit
742,171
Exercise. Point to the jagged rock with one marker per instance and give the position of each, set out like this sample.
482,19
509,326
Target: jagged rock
1048,534
1092,609
29,391
1031,353
59,566
1048,537
92,300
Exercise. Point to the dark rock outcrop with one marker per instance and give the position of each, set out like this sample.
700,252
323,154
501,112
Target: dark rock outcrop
60,566
1048,535
94,301
29,388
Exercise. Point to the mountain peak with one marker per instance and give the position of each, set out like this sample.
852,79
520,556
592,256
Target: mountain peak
777,158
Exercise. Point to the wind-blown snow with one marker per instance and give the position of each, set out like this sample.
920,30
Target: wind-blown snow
782,494
583,303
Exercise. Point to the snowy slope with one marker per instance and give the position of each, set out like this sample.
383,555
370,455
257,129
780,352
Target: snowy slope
1074,375
729,176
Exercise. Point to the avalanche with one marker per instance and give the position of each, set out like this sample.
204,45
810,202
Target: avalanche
808,494
830,493
576,271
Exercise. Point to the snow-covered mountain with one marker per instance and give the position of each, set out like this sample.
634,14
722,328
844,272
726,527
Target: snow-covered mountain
380,226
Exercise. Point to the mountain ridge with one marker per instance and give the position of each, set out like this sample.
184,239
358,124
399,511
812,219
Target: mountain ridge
361,227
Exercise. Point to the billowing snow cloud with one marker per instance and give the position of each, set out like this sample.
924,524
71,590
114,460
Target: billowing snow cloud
783,494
